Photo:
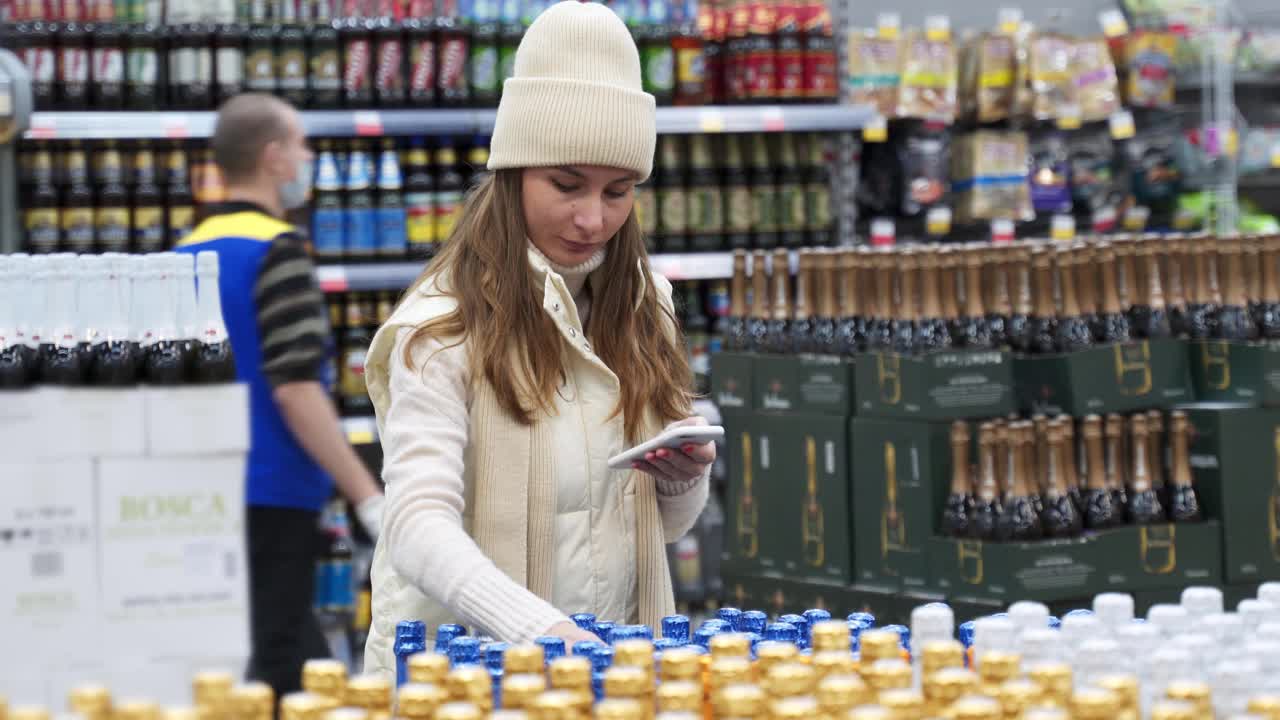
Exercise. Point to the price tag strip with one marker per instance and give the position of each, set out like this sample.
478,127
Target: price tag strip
368,123
1009,20
888,24
1113,23
331,278
937,222
1002,231
1135,218
876,130
883,232
1122,126
1062,228
937,28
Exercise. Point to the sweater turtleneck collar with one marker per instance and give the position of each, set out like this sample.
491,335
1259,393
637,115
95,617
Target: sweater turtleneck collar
575,277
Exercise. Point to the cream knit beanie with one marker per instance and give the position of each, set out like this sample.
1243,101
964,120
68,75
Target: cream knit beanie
576,96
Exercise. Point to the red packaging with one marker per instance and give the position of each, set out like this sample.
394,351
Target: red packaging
388,78
422,67
762,69
69,10
356,66
789,66
452,71
786,16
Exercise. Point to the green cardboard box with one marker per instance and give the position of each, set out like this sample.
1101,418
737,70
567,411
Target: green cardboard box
900,475
811,511
1114,378
1126,559
1235,458
762,472
1238,372
731,375
946,385
804,383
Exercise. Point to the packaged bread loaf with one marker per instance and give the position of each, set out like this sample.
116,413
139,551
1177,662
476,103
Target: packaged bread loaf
989,176
929,76
874,63
987,78
1097,87
1052,76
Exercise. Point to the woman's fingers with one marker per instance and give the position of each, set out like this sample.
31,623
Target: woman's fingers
704,453
681,463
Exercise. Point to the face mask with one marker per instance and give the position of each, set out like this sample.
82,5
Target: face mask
294,194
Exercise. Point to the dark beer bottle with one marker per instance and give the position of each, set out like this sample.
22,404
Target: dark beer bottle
111,219
353,348
704,197
907,311
1202,313
825,340
1101,510
975,322
40,214
988,506
1021,337
1117,459
1234,321
73,64
999,305
78,232
324,68
483,67
880,325
764,193
1172,248
1144,506
1073,326
179,202
851,330
802,318
191,67
1087,293
292,66
1114,322
960,502
1044,320
1269,320
1019,521
391,216
35,41
932,332
1152,312
673,206
260,59
736,338
1184,505
818,217
758,320
737,194
791,204
1059,515
419,201
148,203
421,40
779,340
696,326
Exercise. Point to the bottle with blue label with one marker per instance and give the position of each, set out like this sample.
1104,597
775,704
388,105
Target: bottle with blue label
361,224
340,595
327,222
392,233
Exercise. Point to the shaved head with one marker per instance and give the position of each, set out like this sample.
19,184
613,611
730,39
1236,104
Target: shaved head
246,124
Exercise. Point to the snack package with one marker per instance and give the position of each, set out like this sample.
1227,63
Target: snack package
987,76
1151,77
1024,96
1154,178
989,176
1097,88
879,187
1049,172
1052,75
929,76
873,71
925,154
1092,174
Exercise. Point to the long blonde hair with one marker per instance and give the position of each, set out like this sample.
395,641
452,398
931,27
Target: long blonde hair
515,345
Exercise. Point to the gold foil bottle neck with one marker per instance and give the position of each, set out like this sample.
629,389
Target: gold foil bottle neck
426,667
830,636
524,660
619,709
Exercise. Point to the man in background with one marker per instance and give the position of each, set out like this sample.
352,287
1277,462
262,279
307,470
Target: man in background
279,329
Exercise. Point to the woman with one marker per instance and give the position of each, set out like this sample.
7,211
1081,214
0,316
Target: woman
536,346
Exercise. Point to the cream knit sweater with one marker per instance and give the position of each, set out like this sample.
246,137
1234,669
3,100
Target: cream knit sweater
425,444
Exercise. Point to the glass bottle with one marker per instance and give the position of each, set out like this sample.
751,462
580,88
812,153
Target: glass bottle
60,357
1169,254
1019,522
1043,326
825,340
1144,506
802,318
1073,333
214,361
1101,511
1184,505
1071,453
1086,277
1152,314
932,332
851,335
1155,455
974,319
1234,321
735,333
999,306
960,502
1269,305
1124,269
1020,332
1113,321
1059,517
164,362
14,372
1202,314
949,293
1117,458
778,339
907,310
758,318
881,330
988,506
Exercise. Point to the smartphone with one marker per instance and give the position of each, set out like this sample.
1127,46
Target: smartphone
674,438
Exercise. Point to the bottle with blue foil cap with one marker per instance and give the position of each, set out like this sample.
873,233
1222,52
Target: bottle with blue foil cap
753,621
464,651
802,629
965,633
675,627
495,655
604,631
730,615
586,648
866,619
702,638
411,638
445,635
552,648
904,635
815,616
782,632
666,644
584,621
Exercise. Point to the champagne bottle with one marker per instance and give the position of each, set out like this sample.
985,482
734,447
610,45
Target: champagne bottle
881,328
987,507
1125,271
1117,468
778,339
802,320
1044,321
999,307
851,330
1101,510
1269,307
1040,453
1060,516
1234,321
1201,312
932,332
1184,505
1155,455
1019,521
973,320
1144,506
1086,277
948,293
1071,452
1114,323
1021,335
826,318
1073,332
1150,316
906,311
960,502
1172,248
735,334
758,320
1251,262
1002,447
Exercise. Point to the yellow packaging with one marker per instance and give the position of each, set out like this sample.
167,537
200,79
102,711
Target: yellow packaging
1149,56
1052,75
929,78
987,76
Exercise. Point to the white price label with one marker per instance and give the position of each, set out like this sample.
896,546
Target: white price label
1062,228
1275,155
175,126
937,27
1104,219
711,121
876,130
883,231
772,119
1009,19
888,24
1002,230
331,278
1069,117
938,221
1122,127
1113,23
1135,218
368,122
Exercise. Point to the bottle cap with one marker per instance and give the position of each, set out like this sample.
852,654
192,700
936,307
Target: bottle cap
940,654
1269,592
1055,679
838,692
1170,619
619,709
458,711
552,647
1173,710
948,685
347,713
252,699
626,682
1255,612
677,695
994,633
369,691
1028,615
1269,630
495,655
1078,628
870,712
525,659
419,701
674,627
790,679
865,619
1019,695
903,702
887,674
1200,601
996,667
88,700
730,615
466,650
634,653
1226,628
584,621
1040,645
830,635
1198,644
126,710
1094,704
1126,688
976,707
1196,693
931,622
570,673
730,645
753,621
1113,609
680,663
445,635
300,706
801,626
740,700
604,631
815,616
875,645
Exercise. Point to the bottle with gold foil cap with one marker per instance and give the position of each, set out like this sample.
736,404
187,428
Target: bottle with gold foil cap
728,671
178,713
635,653
1117,458
29,712
735,334
1150,317
524,659
329,677
1113,322
1059,515
1074,330
830,636
630,682
995,669
418,701
1042,331
1100,509
1095,704
1145,507
519,691
827,312
903,703
730,645
1124,269
805,305
884,675
1196,693
372,692
837,694
958,509
907,310
468,683
999,303
554,705
1019,329
1201,309
974,322
1233,319
932,332
301,706
793,708
90,702
988,495
946,686
211,690
828,663
870,712
253,701
851,326
771,654
347,713
679,696
1019,695
1184,503
975,707
458,711
1174,710
573,675
790,679
681,663
1128,690
1055,681
1020,520
1170,253
740,701
881,328
949,266
778,337
619,709
876,645
1266,706
138,710
940,654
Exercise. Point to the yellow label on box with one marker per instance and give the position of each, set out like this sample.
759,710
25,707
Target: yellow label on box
996,78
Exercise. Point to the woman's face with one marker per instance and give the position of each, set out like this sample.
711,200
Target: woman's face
571,211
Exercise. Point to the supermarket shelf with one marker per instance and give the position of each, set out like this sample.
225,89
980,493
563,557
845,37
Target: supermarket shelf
375,123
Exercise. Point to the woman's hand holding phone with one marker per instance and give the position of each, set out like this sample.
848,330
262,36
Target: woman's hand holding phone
682,465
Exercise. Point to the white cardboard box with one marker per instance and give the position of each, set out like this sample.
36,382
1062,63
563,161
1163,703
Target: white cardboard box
197,420
173,562
49,564
94,422
24,427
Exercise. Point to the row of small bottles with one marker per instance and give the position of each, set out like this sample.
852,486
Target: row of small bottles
112,320
1185,661
1048,478
1032,297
